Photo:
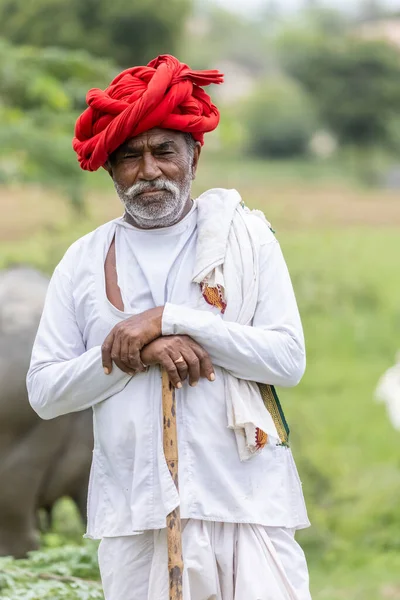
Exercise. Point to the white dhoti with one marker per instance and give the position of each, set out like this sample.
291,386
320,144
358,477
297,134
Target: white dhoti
223,561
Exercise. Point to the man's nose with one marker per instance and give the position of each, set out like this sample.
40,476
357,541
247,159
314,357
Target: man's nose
149,168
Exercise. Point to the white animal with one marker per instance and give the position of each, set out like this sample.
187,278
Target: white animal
388,391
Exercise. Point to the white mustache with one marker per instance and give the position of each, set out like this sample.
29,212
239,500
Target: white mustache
158,185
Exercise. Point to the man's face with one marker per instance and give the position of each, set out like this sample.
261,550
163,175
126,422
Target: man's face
153,175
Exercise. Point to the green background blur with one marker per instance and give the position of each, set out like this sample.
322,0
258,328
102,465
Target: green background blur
310,134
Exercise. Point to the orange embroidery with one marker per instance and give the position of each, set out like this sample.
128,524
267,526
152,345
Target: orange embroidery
261,438
214,296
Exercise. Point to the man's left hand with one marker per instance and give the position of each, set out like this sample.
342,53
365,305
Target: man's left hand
181,357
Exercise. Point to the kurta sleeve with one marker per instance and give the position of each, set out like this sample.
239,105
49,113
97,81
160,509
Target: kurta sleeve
270,351
63,377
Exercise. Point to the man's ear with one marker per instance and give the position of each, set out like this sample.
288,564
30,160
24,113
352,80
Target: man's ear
195,161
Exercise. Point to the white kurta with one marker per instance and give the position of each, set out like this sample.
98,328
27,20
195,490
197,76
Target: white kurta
130,487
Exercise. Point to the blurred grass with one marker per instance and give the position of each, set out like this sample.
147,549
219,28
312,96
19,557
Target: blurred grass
347,453
342,246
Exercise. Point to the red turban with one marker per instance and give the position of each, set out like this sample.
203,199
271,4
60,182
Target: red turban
165,94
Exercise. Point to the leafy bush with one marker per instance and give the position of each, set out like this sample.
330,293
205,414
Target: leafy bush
279,119
68,573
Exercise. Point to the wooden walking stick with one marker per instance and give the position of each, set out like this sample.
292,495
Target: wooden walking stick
174,532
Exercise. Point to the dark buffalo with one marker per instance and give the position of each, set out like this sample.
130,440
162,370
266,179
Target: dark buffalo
40,461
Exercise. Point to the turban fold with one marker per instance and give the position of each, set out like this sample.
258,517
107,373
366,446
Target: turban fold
165,94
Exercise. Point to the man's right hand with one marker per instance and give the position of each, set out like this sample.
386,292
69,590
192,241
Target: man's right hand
123,344
181,357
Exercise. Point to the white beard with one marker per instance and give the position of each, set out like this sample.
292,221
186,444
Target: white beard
160,209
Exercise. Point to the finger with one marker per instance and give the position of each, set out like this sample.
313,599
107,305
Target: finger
181,366
106,353
168,364
134,360
116,356
193,366
124,352
145,356
206,366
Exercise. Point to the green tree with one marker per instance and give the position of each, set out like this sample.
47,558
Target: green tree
279,119
355,83
41,93
126,32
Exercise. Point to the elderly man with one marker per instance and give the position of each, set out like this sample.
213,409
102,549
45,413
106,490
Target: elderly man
200,288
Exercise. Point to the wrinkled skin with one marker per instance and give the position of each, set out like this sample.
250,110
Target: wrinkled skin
40,461
153,174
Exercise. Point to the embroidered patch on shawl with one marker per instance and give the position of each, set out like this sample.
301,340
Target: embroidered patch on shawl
214,296
261,438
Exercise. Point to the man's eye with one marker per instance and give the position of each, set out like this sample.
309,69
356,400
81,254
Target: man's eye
166,153
130,155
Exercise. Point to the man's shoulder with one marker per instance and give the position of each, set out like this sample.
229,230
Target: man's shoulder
259,225
85,247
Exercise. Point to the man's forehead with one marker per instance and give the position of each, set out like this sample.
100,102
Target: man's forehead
156,136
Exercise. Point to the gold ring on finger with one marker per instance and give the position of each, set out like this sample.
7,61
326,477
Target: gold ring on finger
179,360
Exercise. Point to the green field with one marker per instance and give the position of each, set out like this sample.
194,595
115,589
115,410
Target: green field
342,245
347,453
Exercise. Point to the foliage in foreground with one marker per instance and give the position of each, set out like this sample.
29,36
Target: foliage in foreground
67,573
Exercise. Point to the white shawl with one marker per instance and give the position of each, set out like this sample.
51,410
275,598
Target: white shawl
227,257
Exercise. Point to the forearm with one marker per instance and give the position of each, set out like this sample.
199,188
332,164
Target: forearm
273,356
57,388
63,376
